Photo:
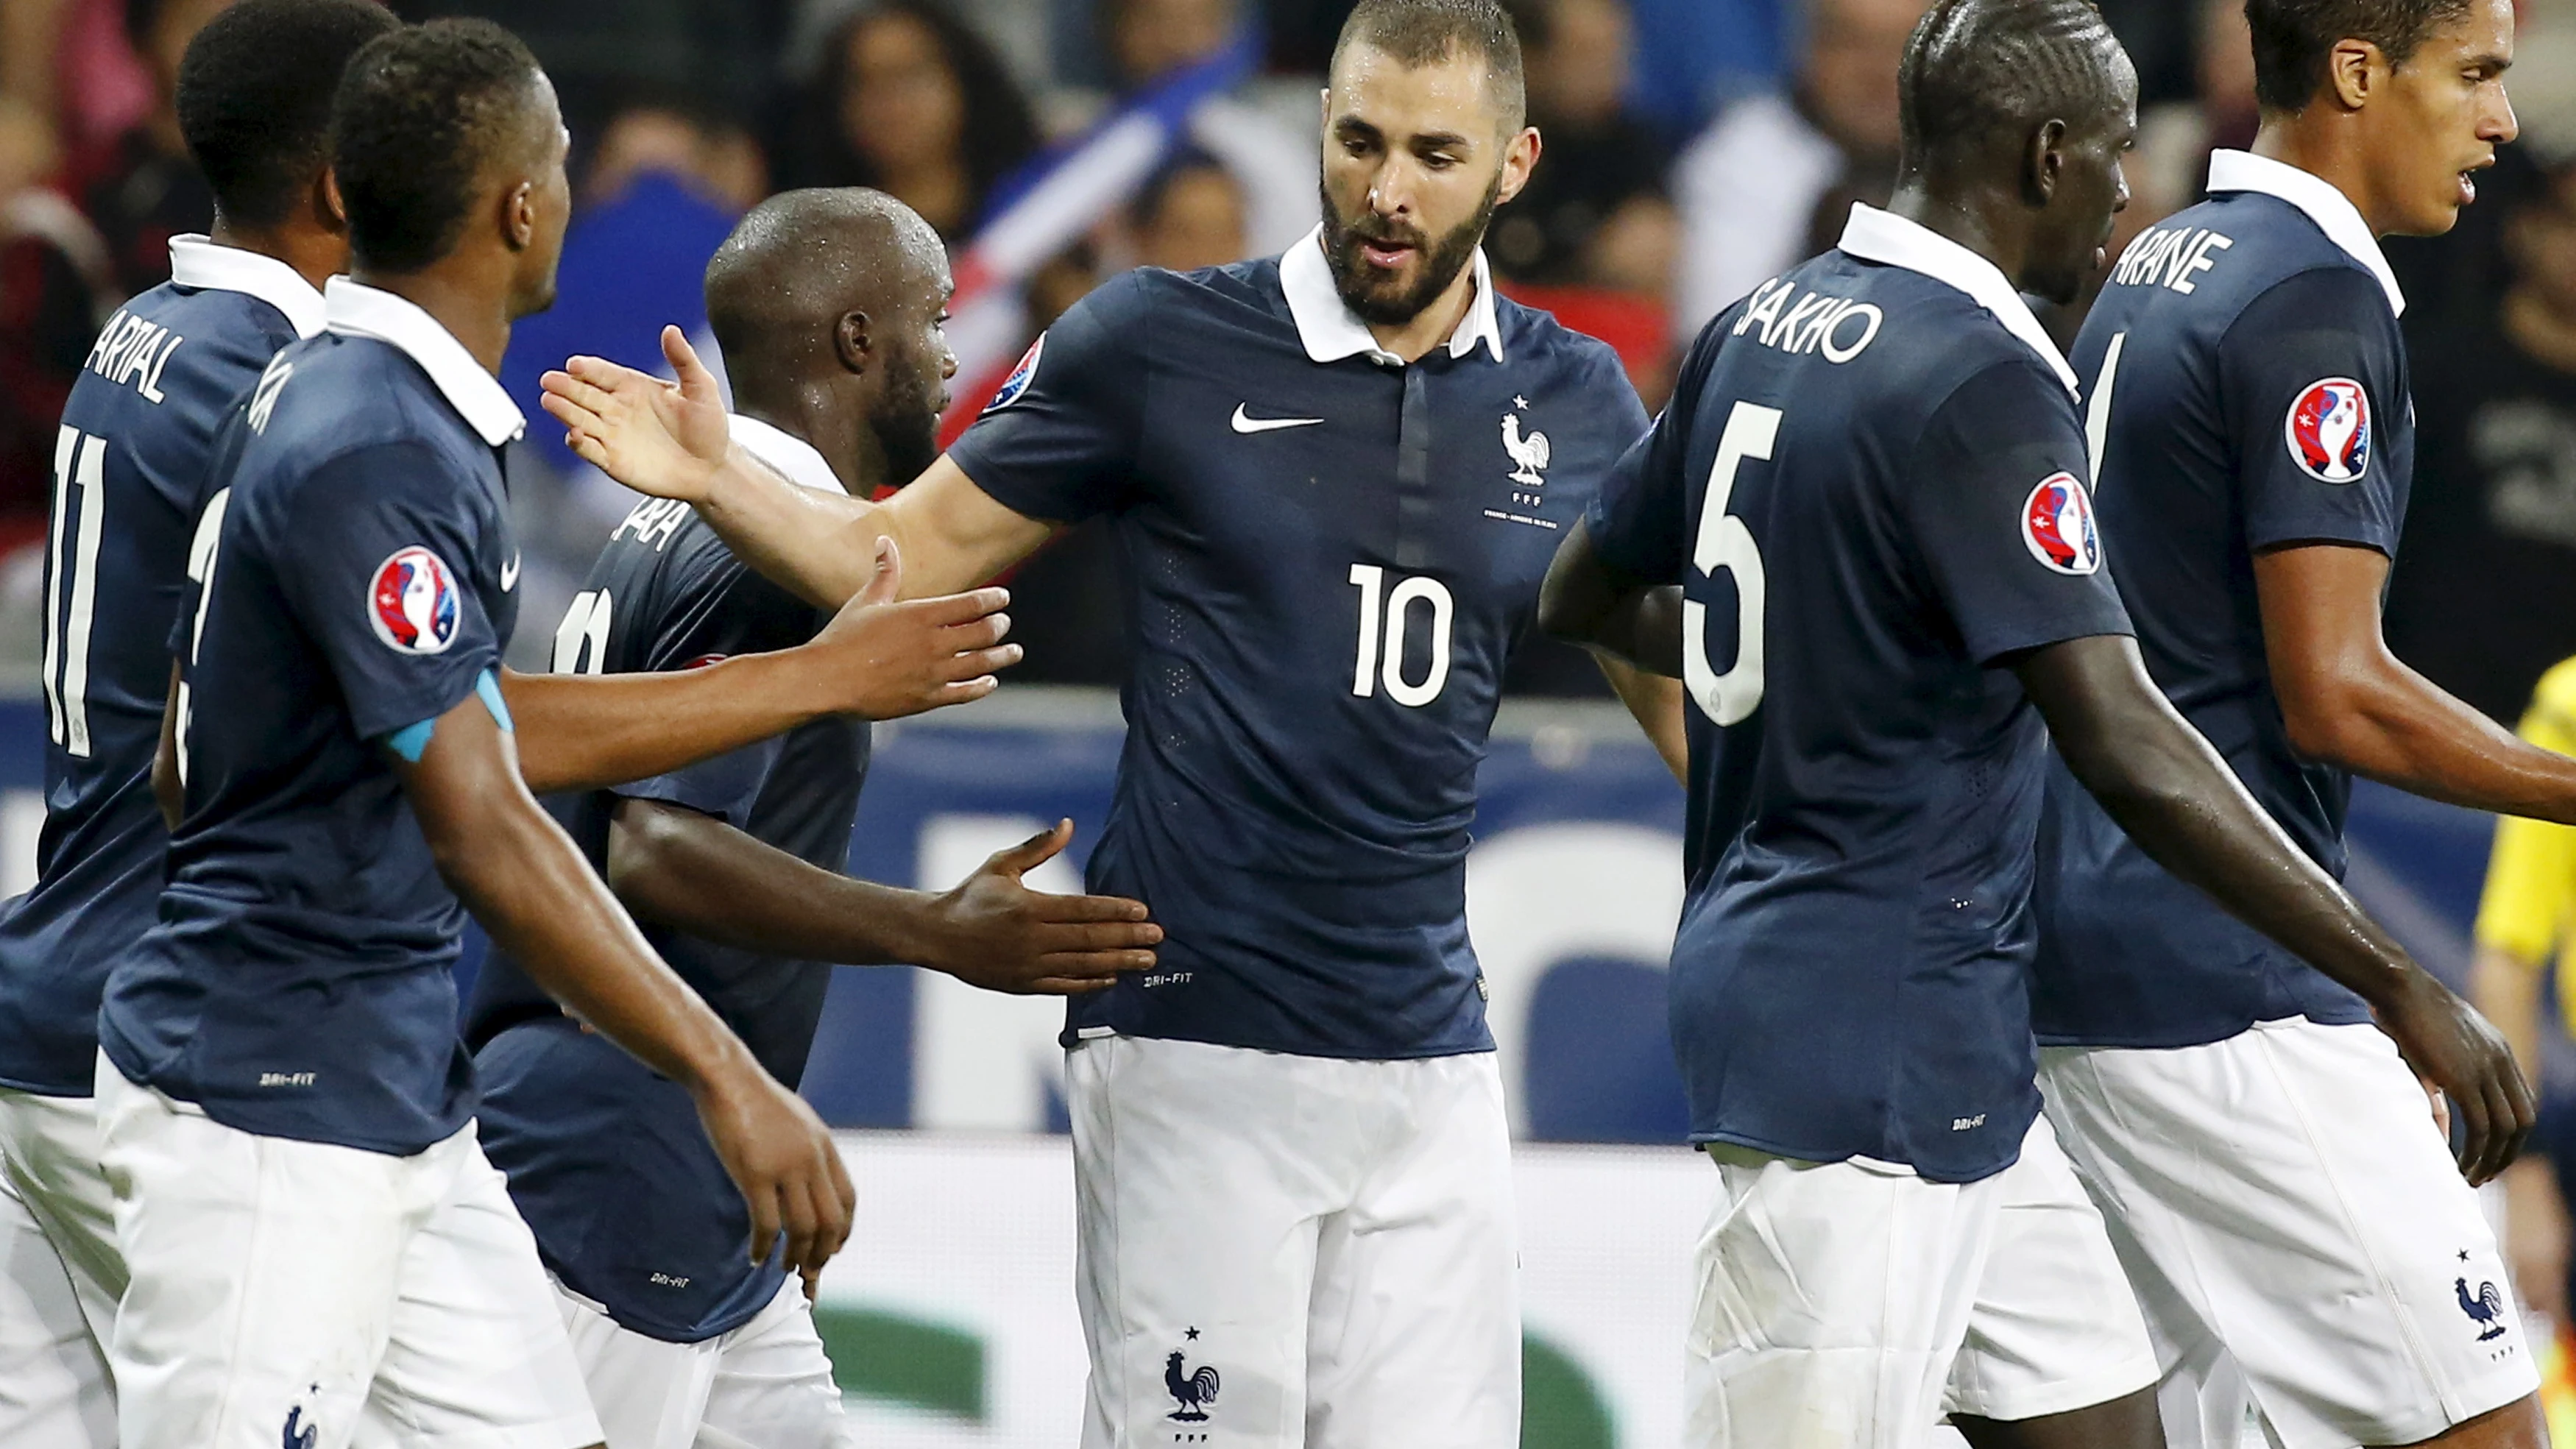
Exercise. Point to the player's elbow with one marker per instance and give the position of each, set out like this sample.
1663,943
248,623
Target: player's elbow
1575,598
640,843
2326,715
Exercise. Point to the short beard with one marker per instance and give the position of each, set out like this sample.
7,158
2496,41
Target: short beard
1375,301
906,425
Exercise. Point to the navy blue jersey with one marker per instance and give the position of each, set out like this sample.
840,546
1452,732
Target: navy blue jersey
129,462
1330,557
607,1161
356,577
1870,487
2249,391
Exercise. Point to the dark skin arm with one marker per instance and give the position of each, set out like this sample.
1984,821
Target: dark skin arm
167,791
2349,702
1634,635
877,659
521,876
2172,793
693,873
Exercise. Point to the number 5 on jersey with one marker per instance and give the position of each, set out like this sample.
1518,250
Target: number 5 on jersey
1726,544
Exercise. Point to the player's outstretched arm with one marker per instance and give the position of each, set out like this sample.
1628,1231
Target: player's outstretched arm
671,439
878,659
2176,797
1635,633
695,874
2348,701
522,878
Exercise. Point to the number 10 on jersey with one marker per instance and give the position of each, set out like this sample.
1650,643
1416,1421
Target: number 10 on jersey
1725,543
1383,612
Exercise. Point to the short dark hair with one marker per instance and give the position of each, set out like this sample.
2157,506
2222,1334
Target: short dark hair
1977,67
2293,39
1426,32
420,114
255,98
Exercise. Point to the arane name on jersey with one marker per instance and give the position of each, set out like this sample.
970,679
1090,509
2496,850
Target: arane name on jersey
352,560
1870,486
130,461
2247,389
1330,556
607,1161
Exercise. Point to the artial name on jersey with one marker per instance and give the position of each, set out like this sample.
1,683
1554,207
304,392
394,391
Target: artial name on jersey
2170,256
1837,327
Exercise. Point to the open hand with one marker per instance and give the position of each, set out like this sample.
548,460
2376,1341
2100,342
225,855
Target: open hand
2452,1047
657,437
891,659
1000,935
782,1158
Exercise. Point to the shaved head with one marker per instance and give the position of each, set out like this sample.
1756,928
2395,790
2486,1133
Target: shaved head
837,290
801,259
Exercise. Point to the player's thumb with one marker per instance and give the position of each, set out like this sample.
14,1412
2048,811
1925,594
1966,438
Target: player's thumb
696,383
886,584
1033,852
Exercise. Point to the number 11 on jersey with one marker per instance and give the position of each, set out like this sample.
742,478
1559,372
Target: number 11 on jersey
1725,543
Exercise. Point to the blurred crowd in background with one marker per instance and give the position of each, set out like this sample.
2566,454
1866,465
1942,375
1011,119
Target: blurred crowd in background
1693,148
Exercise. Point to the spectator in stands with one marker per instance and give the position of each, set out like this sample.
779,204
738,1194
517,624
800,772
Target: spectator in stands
2484,597
57,288
148,191
1594,213
1272,157
913,102
1191,214
1750,187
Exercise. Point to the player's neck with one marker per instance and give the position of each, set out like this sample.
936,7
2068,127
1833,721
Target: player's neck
316,255
1959,217
2323,144
1434,325
469,307
847,446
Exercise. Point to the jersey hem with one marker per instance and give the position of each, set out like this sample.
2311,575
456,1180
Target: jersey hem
84,1092
1755,1144
1074,1036
2126,1041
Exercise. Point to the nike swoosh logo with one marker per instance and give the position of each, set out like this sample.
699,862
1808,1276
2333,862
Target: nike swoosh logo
510,574
1244,424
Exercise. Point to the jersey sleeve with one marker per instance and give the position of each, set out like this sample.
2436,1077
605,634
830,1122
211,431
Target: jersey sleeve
2313,387
715,609
2531,877
378,569
1058,442
1999,509
1639,521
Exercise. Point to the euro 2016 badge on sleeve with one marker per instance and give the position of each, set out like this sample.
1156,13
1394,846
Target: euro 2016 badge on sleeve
2328,431
2057,525
1020,378
413,603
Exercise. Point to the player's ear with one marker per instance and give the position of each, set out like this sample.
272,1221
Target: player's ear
1520,158
2353,70
519,214
2043,162
329,211
850,341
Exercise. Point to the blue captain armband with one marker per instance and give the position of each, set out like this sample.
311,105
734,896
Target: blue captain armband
413,739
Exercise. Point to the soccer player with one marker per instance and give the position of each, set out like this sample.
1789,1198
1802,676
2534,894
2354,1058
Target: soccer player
1870,490
136,441
2282,1196
1338,476
828,305
316,1247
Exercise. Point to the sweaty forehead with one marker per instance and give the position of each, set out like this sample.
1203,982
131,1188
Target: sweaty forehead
1452,93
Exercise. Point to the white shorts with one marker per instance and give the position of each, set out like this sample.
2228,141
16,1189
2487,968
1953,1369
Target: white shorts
60,1276
319,1296
2283,1199
1852,1305
765,1385
1282,1251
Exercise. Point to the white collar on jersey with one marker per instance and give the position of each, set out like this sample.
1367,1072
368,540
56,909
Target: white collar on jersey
355,309
2320,199
1882,236
786,452
1332,332
197,261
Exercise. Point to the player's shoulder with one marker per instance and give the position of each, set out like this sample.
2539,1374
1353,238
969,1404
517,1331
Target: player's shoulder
2248,251
1534,337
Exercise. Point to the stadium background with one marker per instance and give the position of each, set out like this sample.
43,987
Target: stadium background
1694,147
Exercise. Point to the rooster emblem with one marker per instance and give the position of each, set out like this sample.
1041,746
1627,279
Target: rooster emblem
2486,1308
1192,1391
1529,452
300,1435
